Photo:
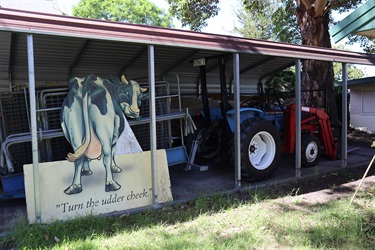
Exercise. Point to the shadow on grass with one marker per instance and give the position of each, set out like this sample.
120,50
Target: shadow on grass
33,236
83,229
327,226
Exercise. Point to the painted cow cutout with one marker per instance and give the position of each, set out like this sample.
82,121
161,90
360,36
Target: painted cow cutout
92,118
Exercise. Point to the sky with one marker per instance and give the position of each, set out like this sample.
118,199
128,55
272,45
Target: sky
224,22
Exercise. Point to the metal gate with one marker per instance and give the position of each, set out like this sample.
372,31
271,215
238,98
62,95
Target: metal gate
52,145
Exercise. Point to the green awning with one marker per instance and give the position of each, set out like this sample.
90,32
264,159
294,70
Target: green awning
360,22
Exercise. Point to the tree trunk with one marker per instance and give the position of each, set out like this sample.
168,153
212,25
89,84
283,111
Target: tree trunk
317,76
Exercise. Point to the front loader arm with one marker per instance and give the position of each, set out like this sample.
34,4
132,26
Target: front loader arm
325,130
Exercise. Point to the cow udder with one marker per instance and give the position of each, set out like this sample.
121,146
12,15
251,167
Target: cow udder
94,150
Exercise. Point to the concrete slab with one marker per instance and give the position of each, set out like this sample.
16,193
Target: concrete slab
188,184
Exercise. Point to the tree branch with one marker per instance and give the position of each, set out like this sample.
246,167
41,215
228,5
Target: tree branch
319,6
307,4
333,4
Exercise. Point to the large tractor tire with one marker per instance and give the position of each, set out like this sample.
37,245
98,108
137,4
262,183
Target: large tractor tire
260,149
212,143
310,150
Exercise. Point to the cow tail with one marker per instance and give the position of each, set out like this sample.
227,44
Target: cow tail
80,151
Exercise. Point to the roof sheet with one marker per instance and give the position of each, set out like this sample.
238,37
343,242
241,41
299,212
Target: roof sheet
67,46
38,23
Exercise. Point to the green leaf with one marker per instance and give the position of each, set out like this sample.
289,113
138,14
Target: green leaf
128,11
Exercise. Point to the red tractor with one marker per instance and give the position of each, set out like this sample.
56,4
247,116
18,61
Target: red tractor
316,132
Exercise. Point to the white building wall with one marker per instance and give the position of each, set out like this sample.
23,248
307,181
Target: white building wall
362,106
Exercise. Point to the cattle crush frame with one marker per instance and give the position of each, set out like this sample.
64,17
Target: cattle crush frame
15,127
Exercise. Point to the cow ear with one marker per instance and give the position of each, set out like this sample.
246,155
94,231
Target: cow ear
123,79
143,90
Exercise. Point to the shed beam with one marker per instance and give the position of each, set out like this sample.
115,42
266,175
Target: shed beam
135,57
76,59
176,64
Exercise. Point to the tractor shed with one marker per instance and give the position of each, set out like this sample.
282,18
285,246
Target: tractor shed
39,53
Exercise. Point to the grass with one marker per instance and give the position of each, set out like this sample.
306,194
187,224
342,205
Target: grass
247,220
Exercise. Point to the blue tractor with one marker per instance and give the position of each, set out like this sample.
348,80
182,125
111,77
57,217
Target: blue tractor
260,131
267,129
260,141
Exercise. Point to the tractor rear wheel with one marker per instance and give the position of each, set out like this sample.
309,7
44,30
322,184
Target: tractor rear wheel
260,148
310,150
211,143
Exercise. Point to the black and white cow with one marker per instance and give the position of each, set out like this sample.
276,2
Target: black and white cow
92,118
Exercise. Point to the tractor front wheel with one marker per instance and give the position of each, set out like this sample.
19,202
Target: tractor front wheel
310,150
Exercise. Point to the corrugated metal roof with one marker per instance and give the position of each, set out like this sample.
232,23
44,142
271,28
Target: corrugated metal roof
43,6
68,46
38,23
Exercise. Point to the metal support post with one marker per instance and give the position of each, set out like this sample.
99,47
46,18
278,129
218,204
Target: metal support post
151,77
34,139
344,130
298,118
237,146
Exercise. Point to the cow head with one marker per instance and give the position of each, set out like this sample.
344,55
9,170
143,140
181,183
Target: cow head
130,95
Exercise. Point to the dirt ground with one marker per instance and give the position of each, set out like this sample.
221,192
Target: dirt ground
360,138
341,191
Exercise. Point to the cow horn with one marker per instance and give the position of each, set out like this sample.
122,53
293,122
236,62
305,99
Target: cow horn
123,79
143,90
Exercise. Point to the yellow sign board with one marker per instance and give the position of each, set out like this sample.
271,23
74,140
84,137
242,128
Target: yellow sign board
135,189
